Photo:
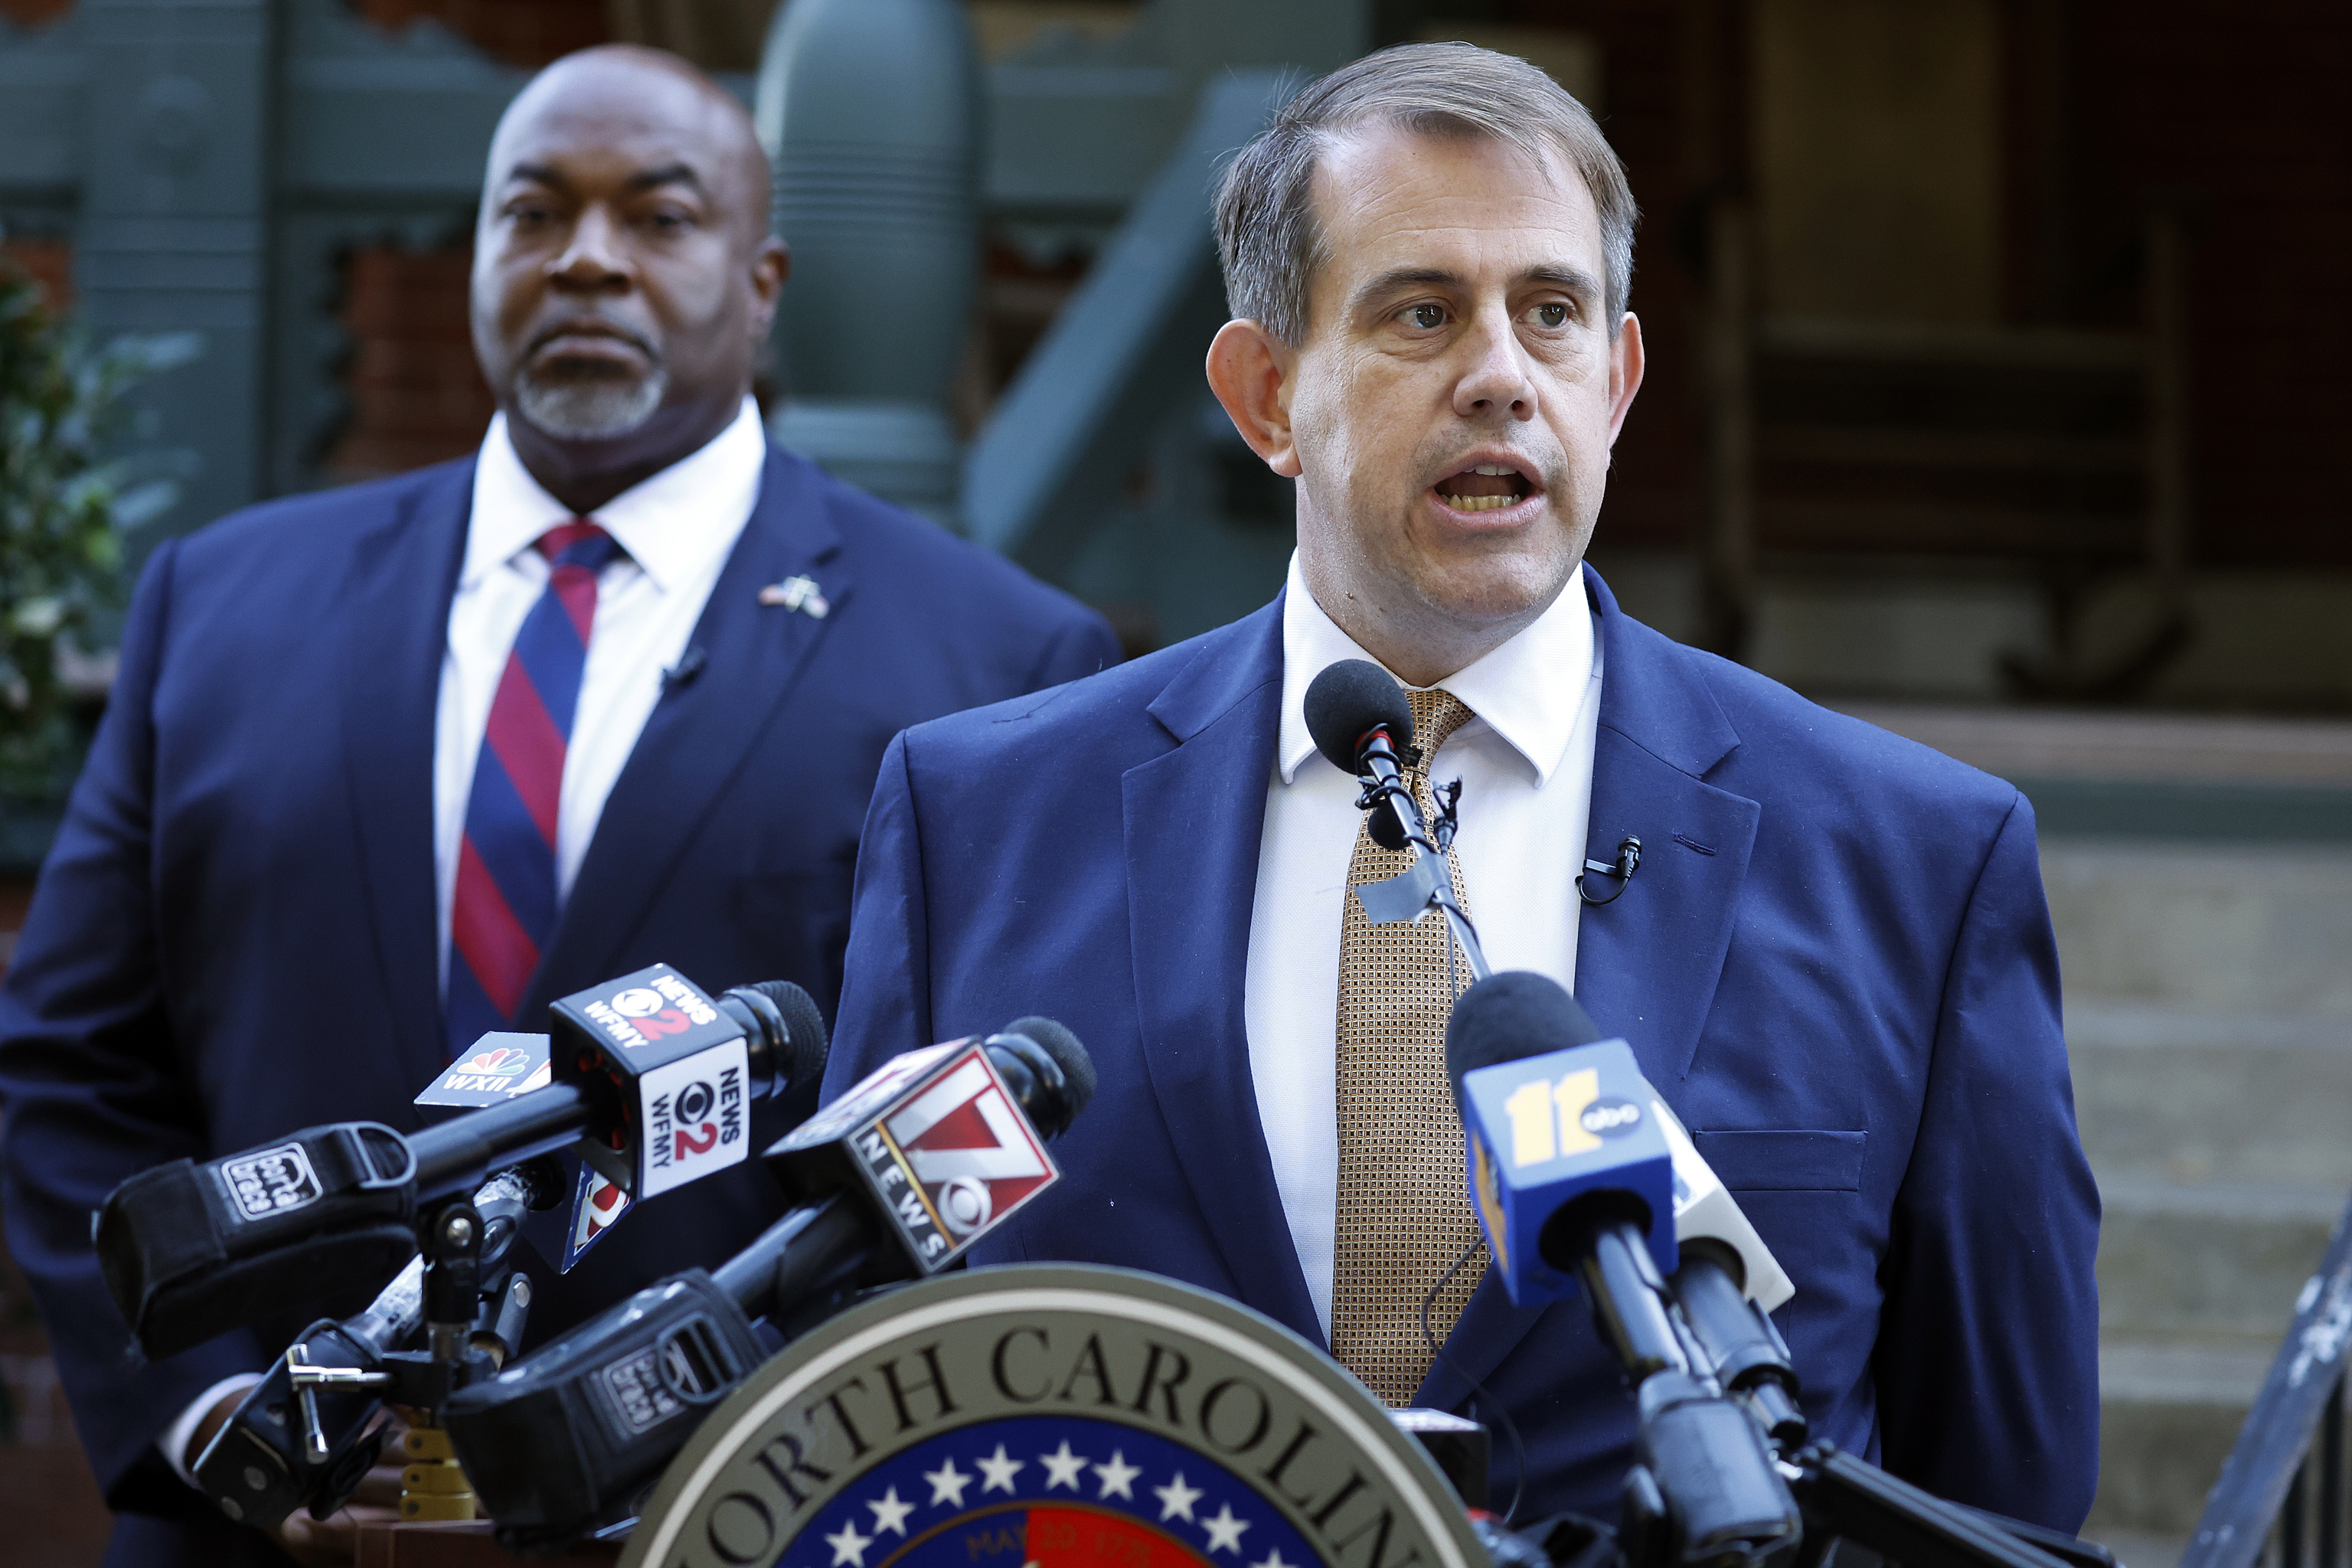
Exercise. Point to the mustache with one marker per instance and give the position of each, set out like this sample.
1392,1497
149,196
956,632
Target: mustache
600,326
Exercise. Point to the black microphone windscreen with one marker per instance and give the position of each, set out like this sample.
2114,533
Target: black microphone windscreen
804,1049
1059,1043
1505,1016
1349,698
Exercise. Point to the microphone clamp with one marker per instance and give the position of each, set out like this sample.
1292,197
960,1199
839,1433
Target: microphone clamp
1629,860
1383,791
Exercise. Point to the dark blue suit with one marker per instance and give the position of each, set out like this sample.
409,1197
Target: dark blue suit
1834,962
234,934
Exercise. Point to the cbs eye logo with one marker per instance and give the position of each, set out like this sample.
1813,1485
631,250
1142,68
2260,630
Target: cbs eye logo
638,1002
965,1202
694,1101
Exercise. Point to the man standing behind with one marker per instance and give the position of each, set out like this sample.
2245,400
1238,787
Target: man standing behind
389,766
1832,958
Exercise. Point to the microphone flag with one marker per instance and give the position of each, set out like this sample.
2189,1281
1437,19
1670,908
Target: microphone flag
499,1067
935,1137
1542,1132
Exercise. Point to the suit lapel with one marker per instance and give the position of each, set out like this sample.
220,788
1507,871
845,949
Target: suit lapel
1646,963
1193,817
404,575
701,731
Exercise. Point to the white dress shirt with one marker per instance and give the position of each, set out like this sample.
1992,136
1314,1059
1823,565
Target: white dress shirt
1526,767
678,527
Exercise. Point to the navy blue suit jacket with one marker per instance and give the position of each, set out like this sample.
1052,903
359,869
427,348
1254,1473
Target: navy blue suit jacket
1834,962
234,933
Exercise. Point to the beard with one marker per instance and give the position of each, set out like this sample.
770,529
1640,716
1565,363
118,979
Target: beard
589,408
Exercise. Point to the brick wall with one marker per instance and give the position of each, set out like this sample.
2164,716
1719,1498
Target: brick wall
415,392
415,395
520,32
33,13
50,261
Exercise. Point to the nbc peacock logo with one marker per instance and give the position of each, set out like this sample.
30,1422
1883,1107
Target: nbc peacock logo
505,1061
494,1070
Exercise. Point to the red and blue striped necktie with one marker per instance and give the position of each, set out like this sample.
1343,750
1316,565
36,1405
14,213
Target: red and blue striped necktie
506,903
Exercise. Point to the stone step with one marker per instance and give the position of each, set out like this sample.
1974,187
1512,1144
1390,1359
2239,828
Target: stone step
2169,1415
2219,1263
2197,1096
2219,929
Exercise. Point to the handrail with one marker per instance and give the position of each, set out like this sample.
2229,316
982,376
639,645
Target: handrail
2265,1484
1066,430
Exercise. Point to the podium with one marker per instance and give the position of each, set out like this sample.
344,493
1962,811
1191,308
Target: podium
464,1544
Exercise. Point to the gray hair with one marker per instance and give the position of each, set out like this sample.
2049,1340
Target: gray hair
1267,239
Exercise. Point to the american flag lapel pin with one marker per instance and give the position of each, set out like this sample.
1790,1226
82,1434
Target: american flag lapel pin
797,593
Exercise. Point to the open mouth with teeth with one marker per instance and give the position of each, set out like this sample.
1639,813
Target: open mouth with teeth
1487,487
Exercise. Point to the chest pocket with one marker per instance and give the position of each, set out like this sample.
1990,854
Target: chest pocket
1802,1189
1781,1161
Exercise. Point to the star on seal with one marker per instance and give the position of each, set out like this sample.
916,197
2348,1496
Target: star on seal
1118,1476
947,1484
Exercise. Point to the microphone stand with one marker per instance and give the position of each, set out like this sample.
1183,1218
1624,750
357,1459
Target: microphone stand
1428,882
1732,1345
303,1436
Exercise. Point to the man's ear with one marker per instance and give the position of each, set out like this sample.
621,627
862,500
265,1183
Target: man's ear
771,264
1248,370
1626,363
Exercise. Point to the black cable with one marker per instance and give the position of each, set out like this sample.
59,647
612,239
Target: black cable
1478,1389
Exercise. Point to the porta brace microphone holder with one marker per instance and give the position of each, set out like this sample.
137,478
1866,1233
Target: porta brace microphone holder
305,1435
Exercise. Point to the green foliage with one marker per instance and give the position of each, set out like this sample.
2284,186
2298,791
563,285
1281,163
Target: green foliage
67,501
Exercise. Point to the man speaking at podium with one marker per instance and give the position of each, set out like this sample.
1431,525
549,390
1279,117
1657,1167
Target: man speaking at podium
1832,957
391,766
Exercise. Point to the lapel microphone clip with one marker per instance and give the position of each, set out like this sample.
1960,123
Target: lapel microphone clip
1629,860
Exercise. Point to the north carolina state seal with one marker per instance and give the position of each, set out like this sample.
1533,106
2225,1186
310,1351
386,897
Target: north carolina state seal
1052,1416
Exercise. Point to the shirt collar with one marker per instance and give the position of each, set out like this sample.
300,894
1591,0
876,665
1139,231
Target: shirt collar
1529,691
675,524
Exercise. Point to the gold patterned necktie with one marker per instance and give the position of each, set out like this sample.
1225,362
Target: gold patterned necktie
1403,1208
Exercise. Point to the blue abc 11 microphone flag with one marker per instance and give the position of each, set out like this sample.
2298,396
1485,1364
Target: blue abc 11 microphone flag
1550,1134
1546,1131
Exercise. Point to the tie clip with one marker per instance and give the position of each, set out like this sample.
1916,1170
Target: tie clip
797,594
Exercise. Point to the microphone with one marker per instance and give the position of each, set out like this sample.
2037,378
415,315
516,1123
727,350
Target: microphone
1740,1348
1707,1217
1567,1169
1348,704
1727,1283
651,1080
1361,720
895,1181
1573,1179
